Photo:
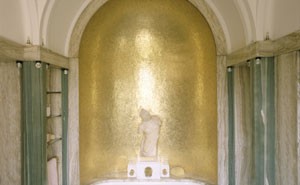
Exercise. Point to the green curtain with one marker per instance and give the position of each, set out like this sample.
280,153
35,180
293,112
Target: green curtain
33,124
263,117
262,95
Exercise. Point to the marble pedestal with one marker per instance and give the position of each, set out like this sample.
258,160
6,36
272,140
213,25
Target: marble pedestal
148,168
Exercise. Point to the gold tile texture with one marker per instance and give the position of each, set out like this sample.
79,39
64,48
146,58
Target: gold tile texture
154,54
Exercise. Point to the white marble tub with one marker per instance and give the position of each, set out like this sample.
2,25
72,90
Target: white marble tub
149,182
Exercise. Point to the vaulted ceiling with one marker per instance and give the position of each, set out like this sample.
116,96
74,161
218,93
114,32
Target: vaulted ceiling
51,22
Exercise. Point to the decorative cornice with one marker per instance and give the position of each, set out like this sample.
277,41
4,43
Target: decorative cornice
288,43
12,50
256,49
39,53
266,48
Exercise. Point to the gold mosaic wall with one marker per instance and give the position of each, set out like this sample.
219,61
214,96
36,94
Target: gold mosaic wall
153,54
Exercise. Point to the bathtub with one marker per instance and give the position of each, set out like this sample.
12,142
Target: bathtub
149,182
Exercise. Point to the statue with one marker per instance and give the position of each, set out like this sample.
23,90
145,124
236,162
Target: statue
149,127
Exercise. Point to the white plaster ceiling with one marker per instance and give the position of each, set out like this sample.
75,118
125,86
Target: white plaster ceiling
12,23
60,21
52,21
62,18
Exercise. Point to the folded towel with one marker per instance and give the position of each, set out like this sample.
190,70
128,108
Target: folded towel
52,171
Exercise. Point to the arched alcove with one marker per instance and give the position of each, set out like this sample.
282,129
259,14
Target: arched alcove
159,55
208,10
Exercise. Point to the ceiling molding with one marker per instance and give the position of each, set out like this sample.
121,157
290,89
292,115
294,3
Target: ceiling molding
256,49
11,50
247,20
38,53
267,48
45,20
15,51
288,43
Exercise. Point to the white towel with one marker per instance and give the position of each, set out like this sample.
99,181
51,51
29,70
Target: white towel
52,171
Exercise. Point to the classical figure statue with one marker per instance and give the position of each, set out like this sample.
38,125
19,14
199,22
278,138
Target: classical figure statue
149,127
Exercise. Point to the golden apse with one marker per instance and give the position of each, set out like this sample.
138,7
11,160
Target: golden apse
154,54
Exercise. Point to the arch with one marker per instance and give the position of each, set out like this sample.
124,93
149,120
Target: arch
213,17
144,38
222,25
45,19
222,41
248,21
89,9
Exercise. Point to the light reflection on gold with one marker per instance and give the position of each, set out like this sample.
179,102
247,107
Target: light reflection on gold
155,54
144,43
145,88
94,90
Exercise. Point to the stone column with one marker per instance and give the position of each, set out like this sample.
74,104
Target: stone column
73,126
222,121
263,118
287,119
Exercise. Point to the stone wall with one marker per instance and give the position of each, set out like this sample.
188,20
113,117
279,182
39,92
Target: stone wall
286,126
10,123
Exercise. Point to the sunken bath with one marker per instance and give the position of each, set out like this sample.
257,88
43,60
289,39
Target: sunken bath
161,182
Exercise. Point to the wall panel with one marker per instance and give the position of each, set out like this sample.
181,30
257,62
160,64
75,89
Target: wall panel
10,123
286,130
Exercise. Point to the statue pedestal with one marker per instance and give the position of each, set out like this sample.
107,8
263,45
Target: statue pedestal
148,168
